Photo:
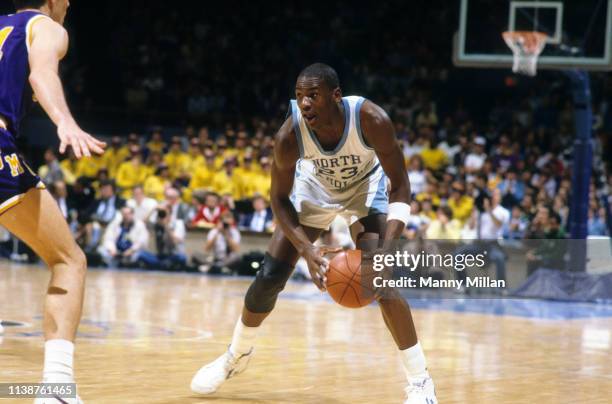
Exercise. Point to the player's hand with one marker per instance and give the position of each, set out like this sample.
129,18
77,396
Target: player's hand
82,143
318,264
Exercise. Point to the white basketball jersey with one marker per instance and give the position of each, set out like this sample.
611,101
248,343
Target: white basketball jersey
339,170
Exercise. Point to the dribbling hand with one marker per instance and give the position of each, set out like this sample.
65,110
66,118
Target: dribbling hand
82,143
318,264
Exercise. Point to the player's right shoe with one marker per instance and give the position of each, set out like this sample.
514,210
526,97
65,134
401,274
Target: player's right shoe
210,377
420,390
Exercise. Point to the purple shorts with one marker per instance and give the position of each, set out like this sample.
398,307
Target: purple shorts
16,178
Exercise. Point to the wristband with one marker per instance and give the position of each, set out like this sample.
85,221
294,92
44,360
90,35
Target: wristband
399,211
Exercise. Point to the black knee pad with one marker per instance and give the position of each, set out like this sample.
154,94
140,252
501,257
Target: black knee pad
269,282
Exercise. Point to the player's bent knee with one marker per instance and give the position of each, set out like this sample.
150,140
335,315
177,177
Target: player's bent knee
269,282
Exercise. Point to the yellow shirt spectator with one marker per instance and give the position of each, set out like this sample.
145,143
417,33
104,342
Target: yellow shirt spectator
227,183
89,166
130,174
461,207
434,158
69,168
203,177
155,186
176,160
113,157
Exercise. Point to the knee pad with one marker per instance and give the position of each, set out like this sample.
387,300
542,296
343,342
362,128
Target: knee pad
269,282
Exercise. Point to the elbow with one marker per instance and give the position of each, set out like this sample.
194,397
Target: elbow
36,78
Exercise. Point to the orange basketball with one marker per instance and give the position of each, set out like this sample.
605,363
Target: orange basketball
344,280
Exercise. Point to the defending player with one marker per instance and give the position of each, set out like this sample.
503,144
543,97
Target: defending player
332,156
32,42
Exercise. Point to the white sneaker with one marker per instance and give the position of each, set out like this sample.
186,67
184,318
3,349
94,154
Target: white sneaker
210,377
420,390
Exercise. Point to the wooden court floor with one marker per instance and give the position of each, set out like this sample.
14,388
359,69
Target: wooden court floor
144,335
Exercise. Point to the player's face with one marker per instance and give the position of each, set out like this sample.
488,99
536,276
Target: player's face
316,101
58,10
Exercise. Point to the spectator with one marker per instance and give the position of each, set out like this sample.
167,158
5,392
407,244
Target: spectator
51,171
444,227
132,172
208,213
102,212
142,205
550,251
263,180
114,156
416,174
475,160
156,144
226,181
460,203
176,158
169,242
512,189
516,228
155,185
434,158
60,194
204,174
260,220
223,243
597,222
178,210
105,208
124,240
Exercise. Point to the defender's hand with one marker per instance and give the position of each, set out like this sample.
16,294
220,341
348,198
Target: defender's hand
317,264
82,142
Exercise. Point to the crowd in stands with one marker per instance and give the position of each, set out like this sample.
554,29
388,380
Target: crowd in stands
488,157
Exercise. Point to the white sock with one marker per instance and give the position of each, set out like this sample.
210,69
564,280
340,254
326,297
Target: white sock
58,361
413,360
243,338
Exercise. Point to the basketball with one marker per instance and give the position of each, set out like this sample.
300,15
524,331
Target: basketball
344,281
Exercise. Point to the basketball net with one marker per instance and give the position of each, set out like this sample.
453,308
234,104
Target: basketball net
526,47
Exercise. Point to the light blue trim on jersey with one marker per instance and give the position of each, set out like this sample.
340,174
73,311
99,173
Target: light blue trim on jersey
358,122
296,125
347,122
380,203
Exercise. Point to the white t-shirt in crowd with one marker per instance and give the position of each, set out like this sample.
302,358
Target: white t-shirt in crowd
475,161
489,230
417,181
142,210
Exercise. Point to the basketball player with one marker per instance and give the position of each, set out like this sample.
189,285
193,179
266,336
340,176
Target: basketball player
332,156
32,42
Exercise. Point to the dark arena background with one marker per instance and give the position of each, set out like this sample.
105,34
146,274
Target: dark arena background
189,97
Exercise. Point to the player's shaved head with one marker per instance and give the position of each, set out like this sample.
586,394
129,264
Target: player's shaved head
323,72
21,4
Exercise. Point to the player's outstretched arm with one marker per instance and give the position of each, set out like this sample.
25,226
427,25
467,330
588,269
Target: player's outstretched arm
286,154
379,133
49,45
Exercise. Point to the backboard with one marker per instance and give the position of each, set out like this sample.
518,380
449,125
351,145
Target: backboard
579,32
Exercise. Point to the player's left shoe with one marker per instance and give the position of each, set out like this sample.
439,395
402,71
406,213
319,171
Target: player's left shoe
210,377
420,390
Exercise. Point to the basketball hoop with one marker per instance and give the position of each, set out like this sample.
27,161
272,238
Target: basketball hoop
526,46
